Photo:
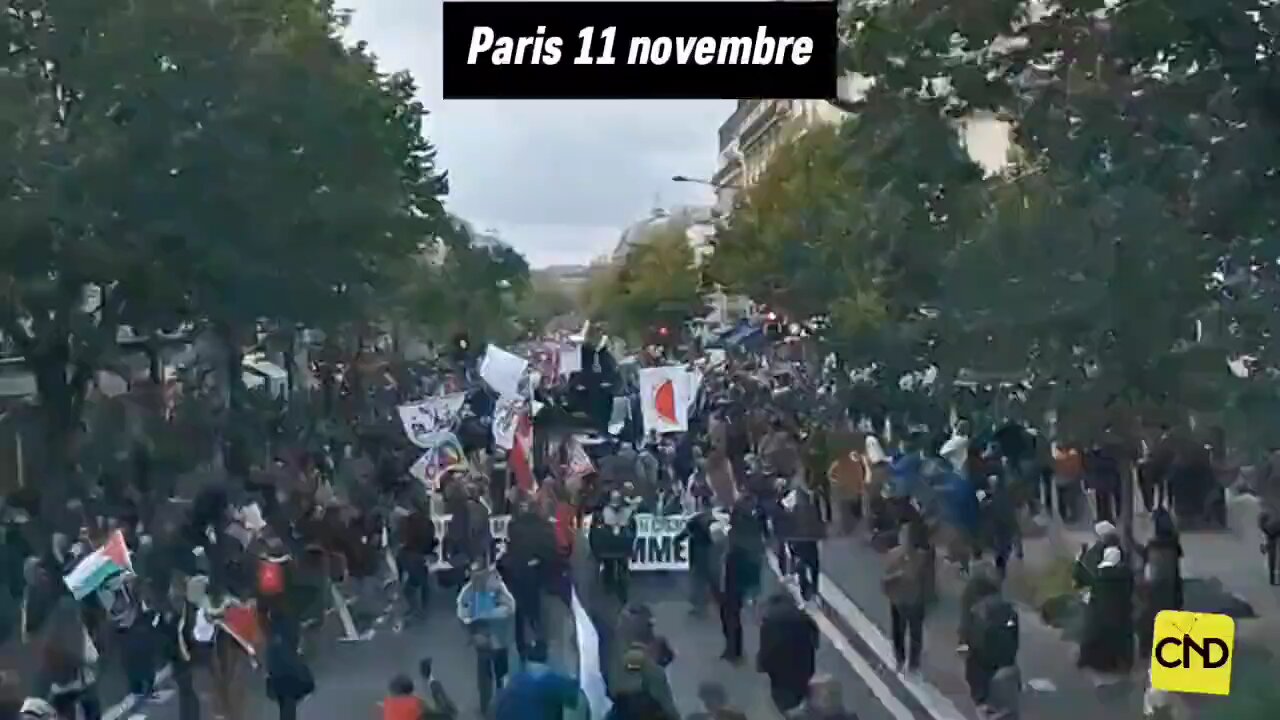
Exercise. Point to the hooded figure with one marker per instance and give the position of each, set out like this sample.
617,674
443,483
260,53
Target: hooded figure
636,628
788,646
1107,645
639,689
1086,565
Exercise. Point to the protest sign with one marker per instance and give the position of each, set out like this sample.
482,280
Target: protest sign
655,548
422,419
443,454
506,419
503,370
666,394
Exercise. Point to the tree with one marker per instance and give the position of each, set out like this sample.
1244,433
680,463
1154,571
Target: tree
474,288
855,221
174,161
657,285
1148,130
546,300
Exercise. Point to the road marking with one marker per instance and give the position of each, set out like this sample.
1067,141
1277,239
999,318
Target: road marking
860,666
124,710
929,697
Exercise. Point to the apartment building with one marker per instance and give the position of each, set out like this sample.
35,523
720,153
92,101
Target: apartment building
752,132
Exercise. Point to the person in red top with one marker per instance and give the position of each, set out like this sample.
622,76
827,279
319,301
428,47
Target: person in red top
402,704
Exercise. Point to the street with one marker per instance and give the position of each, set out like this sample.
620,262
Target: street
352,678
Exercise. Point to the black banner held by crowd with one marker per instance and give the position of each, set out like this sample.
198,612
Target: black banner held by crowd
650,50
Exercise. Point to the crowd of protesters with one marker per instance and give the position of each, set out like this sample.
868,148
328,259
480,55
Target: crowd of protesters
768,467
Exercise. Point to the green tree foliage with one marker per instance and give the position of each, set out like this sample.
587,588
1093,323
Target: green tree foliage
546,300
475,287
1123,256
657,284
180,160
855,221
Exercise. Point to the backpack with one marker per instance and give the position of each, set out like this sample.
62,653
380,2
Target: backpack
999,638
270,578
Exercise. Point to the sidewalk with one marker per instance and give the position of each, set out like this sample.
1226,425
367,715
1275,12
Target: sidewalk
1055,689
855,571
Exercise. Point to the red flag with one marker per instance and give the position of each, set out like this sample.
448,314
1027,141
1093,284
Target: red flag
241,622
520,457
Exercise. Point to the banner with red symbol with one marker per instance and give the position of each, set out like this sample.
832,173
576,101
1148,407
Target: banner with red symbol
665,396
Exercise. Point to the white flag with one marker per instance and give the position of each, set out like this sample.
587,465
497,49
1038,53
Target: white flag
423,419
665,396
502,370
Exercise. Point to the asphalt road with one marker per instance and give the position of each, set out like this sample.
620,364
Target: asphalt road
352,677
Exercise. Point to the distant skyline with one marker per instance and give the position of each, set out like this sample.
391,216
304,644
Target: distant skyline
557,180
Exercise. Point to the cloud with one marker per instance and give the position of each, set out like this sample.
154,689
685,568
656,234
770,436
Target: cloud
559,180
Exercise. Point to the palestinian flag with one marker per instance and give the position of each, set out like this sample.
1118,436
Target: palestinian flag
99,566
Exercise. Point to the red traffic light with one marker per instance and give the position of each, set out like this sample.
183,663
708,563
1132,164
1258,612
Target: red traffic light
663,331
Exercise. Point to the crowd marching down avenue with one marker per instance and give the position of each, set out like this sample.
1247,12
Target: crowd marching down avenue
719,539
894,430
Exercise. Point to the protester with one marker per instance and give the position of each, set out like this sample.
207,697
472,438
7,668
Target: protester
702,575
636,629
639,689
748,538
1107,645
1269,518
67,674
1085,568
400,702
788,649
992,638
486,607
178,646
807,529
537,692
530,557
612,539
417,544
1068,478
1160,587
847,476
956,449
999,519
289,680
904,585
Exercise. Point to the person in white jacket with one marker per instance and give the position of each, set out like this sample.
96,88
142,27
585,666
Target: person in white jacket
956,449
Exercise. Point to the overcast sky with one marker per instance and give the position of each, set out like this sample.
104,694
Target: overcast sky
558,180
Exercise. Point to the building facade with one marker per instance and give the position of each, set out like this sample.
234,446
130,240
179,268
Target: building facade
748,137
698,223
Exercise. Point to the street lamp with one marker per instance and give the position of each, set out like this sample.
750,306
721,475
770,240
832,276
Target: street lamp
700,181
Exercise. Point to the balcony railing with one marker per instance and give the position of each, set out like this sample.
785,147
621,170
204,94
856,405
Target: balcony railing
729,128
